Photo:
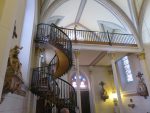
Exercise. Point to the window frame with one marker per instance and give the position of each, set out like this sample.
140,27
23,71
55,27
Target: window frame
127,69
73,79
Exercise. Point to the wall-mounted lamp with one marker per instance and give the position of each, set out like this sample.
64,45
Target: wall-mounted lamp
103,92
115,98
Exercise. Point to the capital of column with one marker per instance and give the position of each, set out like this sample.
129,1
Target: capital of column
77,53
112,56
141,56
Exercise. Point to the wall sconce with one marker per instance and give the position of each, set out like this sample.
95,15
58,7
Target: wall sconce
115,98
103,92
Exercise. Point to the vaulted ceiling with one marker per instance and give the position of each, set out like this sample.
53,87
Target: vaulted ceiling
119,16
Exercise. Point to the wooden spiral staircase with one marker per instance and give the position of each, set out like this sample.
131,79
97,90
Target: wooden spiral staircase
46,82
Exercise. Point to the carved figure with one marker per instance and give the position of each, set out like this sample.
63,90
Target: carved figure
141,87
13,77
103,92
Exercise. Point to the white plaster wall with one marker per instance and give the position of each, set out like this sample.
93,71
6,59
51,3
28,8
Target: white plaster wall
141,104
13,104
135,68
101,74
13,10
2,3
6,30
146,32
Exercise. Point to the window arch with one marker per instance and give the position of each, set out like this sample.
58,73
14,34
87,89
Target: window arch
83,82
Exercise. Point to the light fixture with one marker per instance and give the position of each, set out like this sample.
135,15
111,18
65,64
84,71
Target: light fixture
115,98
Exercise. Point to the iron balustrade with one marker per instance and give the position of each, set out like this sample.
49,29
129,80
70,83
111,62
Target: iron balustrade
58,91
51,34
42,83
95,37
67,92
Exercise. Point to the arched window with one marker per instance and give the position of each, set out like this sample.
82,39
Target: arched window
83,83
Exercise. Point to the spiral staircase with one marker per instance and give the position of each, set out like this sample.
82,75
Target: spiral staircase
46,82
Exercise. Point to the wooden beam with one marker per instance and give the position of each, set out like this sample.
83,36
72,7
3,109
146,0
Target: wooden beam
80,11
98,58
98,47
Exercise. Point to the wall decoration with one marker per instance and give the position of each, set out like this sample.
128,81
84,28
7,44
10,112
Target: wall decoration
14,31
141,87
103,92
13,79
131,104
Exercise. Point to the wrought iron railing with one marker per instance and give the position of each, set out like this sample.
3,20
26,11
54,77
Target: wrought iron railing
67,92
51,34
42,83
95,37
58,91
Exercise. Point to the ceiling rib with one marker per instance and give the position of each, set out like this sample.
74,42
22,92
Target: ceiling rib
80,11
142,14
44,6
98,58
51,9
133,12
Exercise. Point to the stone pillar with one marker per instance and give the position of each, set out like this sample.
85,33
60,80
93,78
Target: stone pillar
77,53
146,76
116,82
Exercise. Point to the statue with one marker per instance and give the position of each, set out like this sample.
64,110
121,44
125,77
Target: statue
13,78
141,87
103,92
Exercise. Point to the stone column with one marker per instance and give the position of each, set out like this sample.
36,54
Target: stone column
116,82
146,76
77,53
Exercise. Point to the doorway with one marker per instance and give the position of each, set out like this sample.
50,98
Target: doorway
85,102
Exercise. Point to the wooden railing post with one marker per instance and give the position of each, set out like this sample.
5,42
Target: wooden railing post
75,35
109,38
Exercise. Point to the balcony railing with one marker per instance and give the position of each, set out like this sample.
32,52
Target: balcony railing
103,38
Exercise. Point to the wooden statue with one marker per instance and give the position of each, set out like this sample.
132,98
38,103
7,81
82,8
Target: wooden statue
141,87
13,77
103,92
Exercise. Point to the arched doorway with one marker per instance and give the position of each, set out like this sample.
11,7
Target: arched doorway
84,90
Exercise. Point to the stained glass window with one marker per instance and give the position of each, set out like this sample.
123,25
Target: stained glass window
127,69
82,81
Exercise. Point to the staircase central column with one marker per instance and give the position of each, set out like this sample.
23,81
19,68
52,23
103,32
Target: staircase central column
78,80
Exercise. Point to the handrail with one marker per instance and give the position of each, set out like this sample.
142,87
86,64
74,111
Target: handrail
44,83
51,34
90,31
71,87
97,37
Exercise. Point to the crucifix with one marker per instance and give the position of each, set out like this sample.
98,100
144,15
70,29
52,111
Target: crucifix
14,31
